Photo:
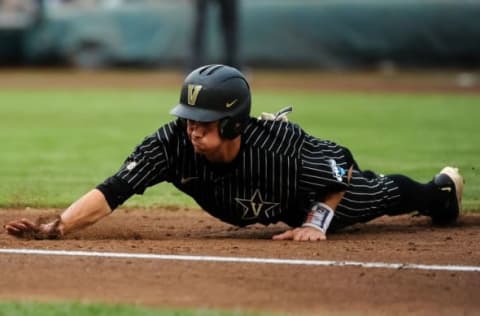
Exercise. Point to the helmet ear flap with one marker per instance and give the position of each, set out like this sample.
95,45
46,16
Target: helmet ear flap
230,128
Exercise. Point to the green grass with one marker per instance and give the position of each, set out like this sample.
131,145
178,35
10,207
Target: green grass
77,309
58,145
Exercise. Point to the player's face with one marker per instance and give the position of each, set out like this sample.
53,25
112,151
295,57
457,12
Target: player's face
204,136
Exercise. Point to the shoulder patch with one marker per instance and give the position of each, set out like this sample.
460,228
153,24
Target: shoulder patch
337,172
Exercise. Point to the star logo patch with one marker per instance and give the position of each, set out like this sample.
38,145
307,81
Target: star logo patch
255,206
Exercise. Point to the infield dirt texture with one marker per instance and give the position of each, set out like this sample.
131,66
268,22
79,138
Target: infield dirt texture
277,288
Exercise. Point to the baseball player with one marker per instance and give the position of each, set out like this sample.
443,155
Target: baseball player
244,170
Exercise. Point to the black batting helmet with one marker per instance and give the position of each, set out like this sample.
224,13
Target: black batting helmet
216,92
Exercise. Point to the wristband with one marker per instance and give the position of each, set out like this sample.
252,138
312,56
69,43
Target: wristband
319,217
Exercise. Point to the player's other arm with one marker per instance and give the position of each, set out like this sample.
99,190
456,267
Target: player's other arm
88,209
315,228
316,225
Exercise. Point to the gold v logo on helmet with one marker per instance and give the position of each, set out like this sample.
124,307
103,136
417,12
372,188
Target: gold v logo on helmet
193,91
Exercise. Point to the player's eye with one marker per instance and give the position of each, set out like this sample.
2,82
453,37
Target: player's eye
205,125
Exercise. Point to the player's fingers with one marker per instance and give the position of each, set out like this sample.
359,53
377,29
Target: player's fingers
13,230
28,224
315,236
9,228
300,235
24,224
284,236
306,234
22,221
17,226
320,236
310,236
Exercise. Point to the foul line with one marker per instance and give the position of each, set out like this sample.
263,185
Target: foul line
327,263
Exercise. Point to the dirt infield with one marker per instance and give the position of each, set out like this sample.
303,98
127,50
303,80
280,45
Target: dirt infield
292,289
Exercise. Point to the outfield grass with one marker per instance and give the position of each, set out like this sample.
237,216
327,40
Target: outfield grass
58,145
77,309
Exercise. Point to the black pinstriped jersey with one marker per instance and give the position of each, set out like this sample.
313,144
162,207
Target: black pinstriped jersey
279,171
278,174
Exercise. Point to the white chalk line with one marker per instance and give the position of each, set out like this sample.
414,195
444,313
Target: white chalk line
325,263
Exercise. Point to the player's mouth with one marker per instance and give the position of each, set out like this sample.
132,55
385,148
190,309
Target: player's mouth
198,146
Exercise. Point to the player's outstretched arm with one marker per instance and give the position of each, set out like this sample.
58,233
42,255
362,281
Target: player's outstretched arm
87,210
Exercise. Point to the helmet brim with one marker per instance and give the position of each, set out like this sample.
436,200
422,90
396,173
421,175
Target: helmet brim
196,113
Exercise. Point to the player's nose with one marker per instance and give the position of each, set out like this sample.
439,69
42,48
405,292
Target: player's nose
196,130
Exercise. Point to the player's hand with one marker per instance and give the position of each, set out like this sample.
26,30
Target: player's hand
24,228
301,234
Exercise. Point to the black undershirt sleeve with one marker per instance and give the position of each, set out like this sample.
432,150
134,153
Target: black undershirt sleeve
116,191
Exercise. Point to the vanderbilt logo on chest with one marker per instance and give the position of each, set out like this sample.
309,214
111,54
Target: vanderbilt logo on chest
256,206
193,91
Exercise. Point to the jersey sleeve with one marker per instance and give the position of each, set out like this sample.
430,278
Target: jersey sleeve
146,166
324,167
